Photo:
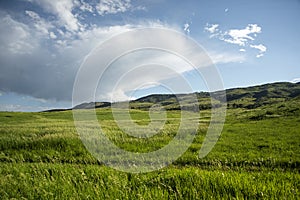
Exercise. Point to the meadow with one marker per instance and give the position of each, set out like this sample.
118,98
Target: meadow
256,157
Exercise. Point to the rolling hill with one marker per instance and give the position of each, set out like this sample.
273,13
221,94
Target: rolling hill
248,98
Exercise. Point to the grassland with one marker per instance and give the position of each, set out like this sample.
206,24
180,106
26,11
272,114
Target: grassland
256,157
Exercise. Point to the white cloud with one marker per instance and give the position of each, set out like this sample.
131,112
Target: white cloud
11,107
54,64
113,6
133,70
22,108
15,37
241,36
262,49
296,80
226,10
60,32
186,28
86,7
222,58
32,14
63,10
211,28
40,24
52,35
26,62
234,36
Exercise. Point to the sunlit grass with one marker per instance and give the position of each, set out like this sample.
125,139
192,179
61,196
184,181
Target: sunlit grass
42,156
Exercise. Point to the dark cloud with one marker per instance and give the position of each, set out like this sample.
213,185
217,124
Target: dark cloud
28,67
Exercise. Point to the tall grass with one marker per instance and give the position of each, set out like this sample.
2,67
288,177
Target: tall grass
42,157
70,181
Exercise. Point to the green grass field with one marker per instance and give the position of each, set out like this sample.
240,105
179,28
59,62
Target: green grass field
256,157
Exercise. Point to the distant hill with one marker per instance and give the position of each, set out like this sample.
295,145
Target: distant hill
93,105
248,97
256,96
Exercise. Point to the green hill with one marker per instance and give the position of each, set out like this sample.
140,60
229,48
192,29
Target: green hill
248,97
257,155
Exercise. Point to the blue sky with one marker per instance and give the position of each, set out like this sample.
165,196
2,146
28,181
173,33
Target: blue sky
44,42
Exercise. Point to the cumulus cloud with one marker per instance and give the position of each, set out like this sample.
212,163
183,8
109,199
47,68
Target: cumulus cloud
113,6
242,37
63,10
211,28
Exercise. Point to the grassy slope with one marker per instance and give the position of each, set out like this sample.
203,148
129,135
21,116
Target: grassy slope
257,156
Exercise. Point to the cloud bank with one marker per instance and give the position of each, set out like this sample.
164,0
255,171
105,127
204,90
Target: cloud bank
41,52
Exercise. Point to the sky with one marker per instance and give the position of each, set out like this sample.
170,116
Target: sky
44,43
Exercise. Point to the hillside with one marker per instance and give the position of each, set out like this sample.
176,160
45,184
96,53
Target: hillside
248,97
257,156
